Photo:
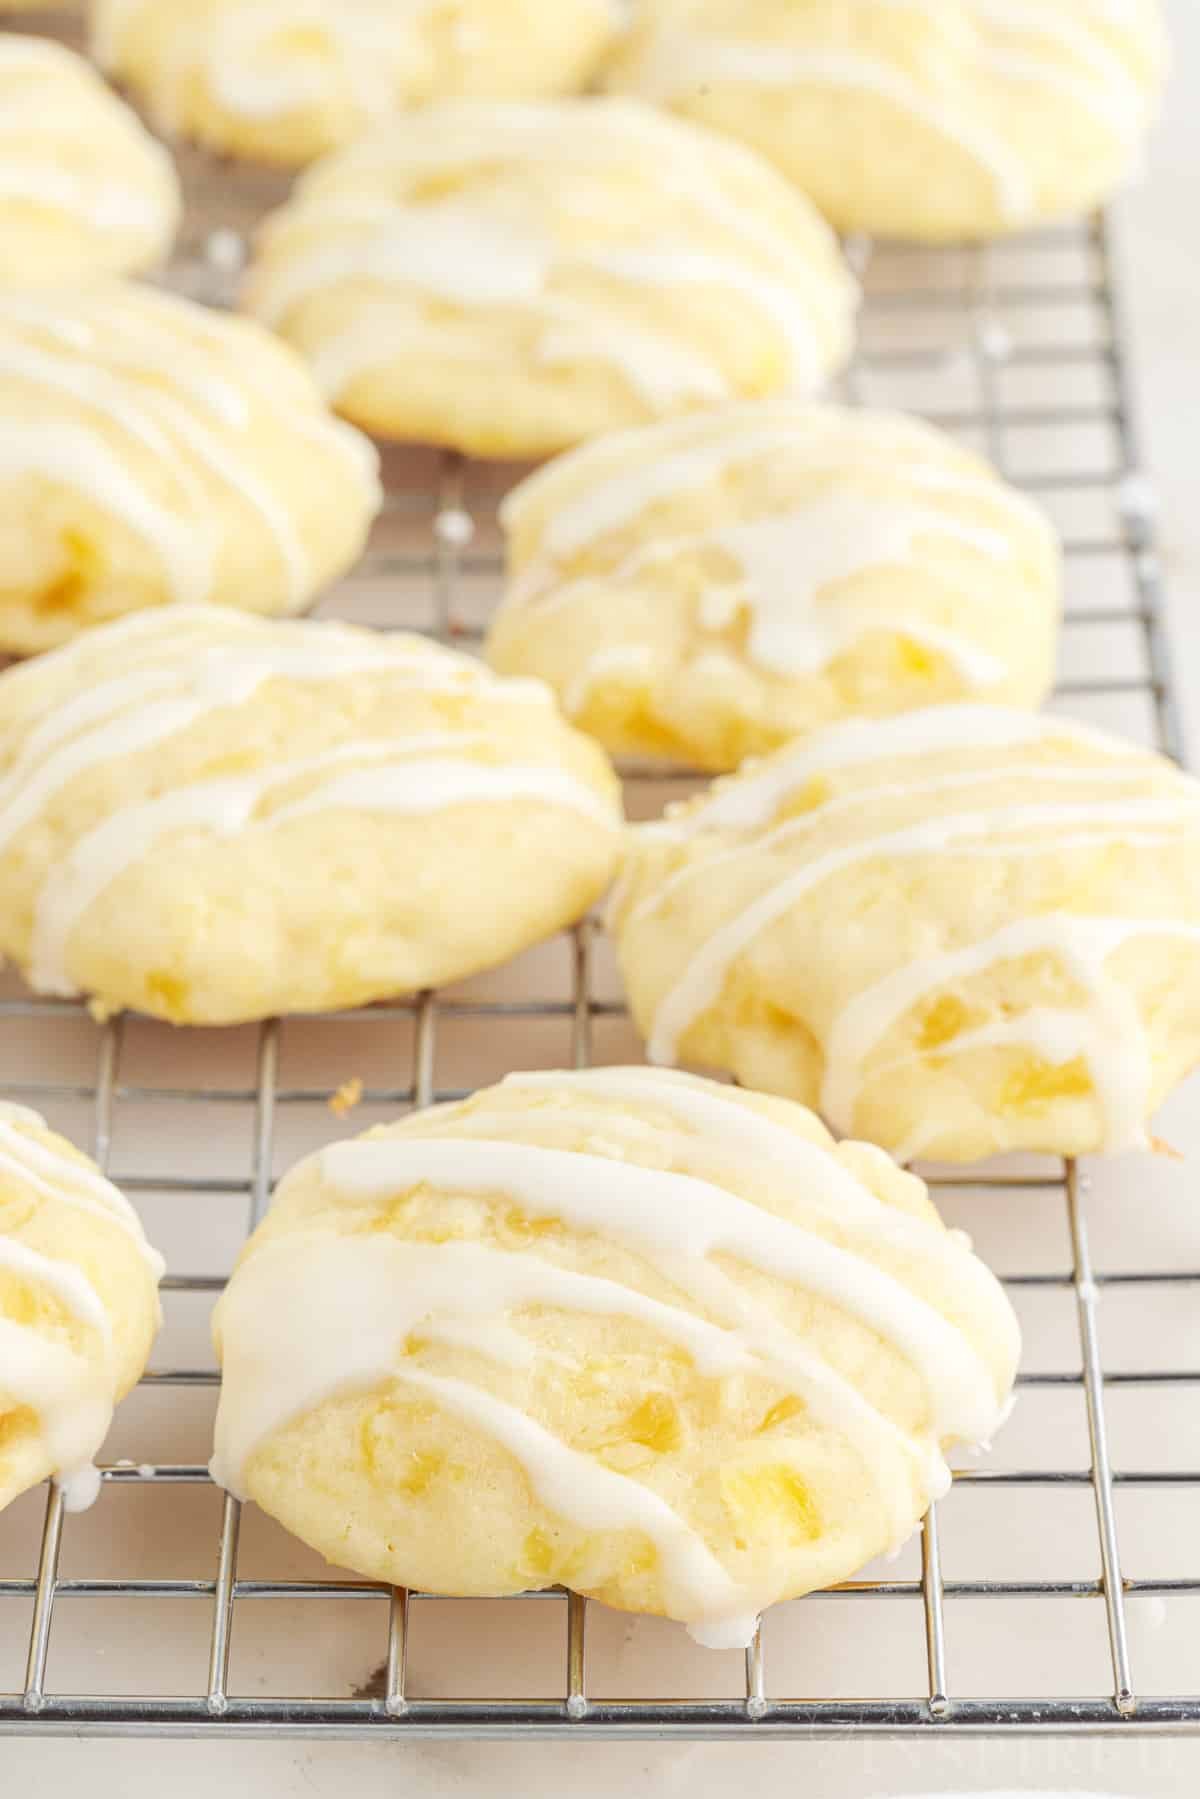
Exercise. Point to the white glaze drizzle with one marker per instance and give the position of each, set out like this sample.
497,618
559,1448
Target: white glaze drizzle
68,453
680,1221
460,253
791,831
822,1183
487,247
71,1396
279,1368
1107,1031
128,356
678,64
69,1285
374,48
423,772
661,370
36,1164
256,78
398,779
752,799
788,560
71,1399
159,422
219,675
50,96
606,486
285,1352
1012,41
700,985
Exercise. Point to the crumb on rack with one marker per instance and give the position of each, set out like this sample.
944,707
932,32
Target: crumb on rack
346,1097
1162,1148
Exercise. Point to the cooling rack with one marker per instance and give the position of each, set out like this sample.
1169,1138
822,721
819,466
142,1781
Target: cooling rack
165,1610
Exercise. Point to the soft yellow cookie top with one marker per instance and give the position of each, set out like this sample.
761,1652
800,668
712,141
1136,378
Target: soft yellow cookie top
84,189
956,932
707,588
153,450
284,82
78,1308
915,118
658,1340
507,279
211,817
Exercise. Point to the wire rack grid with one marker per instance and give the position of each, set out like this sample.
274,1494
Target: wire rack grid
1019,350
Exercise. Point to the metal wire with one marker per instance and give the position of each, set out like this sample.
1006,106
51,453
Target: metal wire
430,545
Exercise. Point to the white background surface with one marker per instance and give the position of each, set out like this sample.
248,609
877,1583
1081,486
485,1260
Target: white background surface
1160,244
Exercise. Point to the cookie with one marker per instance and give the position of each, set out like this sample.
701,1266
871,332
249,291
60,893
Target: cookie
657,1340
708,588
929,119
154,451
282,84
85,190
213,818
956,932
78,1308
505,280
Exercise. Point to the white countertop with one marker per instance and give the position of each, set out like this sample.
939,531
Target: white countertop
1159,241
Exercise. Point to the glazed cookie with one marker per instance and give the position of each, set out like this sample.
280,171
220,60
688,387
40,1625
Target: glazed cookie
152,450
930,119
659,1340
84,189
504,278
282,83
78,1308
708,588
956,932
211,818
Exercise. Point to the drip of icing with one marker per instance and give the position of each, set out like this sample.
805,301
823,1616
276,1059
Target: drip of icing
678,65
788,560
1108,1031
700,986
396,778
681,1221
71,1397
